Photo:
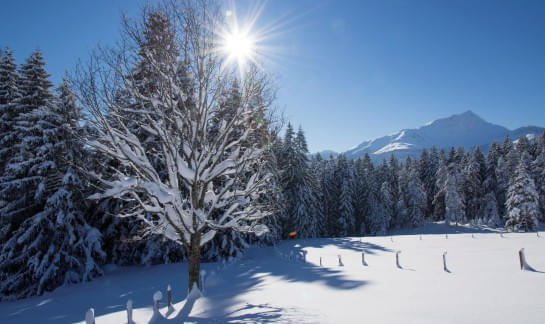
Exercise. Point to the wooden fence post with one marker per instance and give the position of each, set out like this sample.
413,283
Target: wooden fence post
445,262
363,259
521,259
169,296
397,260
340,261
90,316
320,261
156,298
129,312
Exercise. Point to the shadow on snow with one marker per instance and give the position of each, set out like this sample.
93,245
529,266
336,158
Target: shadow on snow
224,287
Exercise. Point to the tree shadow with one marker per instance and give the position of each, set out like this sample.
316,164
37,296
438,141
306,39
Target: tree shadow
343,243
224,287
107,294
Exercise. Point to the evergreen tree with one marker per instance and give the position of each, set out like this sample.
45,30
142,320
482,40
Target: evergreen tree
402,218
416,198
23,180
9,95
346,217
454,204
522,199
490,213
56,245
472,186
538,171
439,198
298,183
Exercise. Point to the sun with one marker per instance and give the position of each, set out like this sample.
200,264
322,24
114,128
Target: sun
243,43
239,46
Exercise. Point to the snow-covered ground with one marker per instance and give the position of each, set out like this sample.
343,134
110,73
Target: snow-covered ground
485,284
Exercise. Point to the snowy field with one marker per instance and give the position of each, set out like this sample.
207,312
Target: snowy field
485,285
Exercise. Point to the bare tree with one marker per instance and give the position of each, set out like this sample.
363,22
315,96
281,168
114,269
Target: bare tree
188,168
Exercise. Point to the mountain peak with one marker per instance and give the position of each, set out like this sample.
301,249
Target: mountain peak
466,129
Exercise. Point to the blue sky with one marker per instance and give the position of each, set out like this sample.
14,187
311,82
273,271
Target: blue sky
347,71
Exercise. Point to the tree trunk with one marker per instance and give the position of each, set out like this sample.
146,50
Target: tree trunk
194,261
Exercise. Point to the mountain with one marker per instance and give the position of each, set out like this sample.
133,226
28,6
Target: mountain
467,130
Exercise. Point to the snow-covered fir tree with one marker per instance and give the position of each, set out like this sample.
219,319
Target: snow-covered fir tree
522,199
9,95
416,198
440,179
538,172
346,218
454,203
22,183
489,213
299,184
472,183
54,245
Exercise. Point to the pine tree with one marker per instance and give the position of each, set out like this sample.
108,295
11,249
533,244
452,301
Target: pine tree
440,180
56,245
22,184
522,199
427,167
9,95
454,204
490,213
472,186
402,219
538,171
416,198
298,183
346,218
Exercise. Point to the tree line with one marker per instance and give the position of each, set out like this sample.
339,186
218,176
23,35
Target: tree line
336,196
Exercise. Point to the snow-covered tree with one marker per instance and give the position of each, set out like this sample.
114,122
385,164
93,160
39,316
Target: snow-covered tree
538,170
472,183
22,183
402,219
489,211
522,199
346,218
439,198
416,198
56,245
9,94
454,203
212,183
298,185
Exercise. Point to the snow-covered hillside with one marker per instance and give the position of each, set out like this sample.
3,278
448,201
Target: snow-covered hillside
467,130
484,285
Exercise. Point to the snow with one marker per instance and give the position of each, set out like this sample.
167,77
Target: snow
393,147
271,284
466,129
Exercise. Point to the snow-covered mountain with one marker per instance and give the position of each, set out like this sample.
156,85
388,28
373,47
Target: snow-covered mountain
466,129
